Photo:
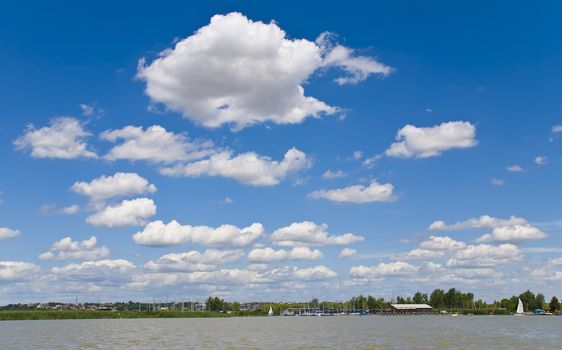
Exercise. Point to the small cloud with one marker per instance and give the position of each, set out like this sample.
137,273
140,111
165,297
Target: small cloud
541,160
347,252
557,128
227,200
370,162
429,110
47,209
357,155
91,109
328,174
301,181
425,142
73,209
497,182
515,168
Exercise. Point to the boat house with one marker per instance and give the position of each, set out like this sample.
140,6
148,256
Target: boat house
411,309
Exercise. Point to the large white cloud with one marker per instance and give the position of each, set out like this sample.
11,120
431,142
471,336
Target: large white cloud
412,141
157,233
118,185
248,168
64,138
375,192
484,255
66,248
484,221
6,233
15,270
271,255
240,72
194,260
512,233
155,144
308,233
132,212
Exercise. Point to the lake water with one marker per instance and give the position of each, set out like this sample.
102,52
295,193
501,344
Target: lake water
342,332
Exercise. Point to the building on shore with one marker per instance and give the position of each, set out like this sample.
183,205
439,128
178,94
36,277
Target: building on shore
411,309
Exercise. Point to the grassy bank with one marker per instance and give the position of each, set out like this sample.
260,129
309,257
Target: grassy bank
83,314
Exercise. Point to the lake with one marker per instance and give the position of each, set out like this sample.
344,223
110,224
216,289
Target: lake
340,332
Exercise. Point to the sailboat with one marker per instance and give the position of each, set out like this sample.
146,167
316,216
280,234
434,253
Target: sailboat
270,312
520,311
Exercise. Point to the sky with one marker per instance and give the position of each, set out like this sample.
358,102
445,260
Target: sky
279,150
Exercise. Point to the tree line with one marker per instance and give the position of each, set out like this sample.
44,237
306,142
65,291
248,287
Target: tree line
439,299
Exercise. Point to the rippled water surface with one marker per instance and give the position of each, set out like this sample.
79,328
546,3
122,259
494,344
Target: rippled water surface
342,332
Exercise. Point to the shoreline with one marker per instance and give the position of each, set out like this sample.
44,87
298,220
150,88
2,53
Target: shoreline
87,315
21,315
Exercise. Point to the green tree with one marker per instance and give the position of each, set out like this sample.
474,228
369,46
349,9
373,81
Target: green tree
437,299
554,305
539,301
215,304
529,300
235,306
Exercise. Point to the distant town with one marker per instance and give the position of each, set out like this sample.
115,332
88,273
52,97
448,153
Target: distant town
439,302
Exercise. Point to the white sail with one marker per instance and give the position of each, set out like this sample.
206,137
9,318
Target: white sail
520,308
270,313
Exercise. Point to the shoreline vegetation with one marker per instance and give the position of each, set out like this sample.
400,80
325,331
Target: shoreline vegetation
443,303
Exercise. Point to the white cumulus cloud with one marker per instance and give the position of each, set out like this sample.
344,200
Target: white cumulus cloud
158,233
15,270
308,233
347,252
512,233
421,254
240,72
194,260
398,268
6,233
328,174
248,168
541,160
412,141
358,68
118,185
64,138
66,248
314,273
271,255
132,212
375,192
105,269
484,221
154,144
484,255
515,168
441,243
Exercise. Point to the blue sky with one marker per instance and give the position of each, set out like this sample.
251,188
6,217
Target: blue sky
118,119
